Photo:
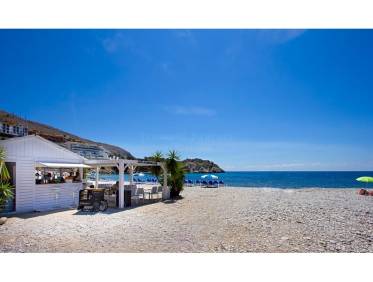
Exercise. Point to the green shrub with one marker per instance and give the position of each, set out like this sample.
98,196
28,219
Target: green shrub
6,193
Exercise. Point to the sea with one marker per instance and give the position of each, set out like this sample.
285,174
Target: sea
282,179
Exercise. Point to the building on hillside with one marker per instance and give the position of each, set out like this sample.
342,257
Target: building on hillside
13,130
88,151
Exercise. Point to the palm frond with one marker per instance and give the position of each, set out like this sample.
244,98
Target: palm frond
4,173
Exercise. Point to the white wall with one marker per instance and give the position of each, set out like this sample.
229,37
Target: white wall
54,196
25,185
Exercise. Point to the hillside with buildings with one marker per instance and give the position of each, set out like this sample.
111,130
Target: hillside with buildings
13,126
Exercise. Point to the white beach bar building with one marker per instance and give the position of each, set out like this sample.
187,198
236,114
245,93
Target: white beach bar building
24,156
30,161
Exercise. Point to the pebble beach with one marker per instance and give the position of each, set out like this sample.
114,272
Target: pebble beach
206,220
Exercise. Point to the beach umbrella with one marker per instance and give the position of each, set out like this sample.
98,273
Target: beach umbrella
366,179
209,176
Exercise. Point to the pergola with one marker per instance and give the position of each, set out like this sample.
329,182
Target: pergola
122,165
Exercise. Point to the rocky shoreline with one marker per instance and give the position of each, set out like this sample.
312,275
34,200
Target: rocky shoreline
207,220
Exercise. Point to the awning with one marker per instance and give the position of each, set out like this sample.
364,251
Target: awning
60,165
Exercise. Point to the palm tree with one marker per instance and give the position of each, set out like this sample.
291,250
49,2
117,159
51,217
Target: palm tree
177,173
172,159
156,170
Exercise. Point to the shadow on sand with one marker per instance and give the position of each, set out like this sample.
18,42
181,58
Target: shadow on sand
81,212
116,210
109,211
37,213
173,200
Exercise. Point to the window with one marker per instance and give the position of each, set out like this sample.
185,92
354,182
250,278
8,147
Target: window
47,175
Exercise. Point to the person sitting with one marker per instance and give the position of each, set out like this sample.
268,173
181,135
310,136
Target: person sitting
47,178
114,188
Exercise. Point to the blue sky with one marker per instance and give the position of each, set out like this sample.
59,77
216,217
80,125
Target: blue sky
246,99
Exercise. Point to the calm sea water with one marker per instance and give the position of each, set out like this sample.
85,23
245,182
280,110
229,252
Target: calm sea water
277,179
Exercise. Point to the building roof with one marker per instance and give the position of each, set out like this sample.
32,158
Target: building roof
37,147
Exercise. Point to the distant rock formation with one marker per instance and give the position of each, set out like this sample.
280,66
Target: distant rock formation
58,136
203,166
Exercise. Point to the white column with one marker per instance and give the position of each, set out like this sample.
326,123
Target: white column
81,173
97,176
121,184
165,190
131,169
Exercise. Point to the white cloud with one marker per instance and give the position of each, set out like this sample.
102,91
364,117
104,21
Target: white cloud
183,33
113,43
186,35
279,36
195,111
165,67
119,42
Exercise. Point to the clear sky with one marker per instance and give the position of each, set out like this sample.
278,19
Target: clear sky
246,99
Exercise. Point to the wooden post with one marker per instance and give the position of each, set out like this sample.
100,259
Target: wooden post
81,172
165,190
97,176
131,174
121,184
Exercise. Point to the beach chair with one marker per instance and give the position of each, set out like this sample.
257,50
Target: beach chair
212,184
190,182
221,183
138,195
159,191
204,183
153,191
